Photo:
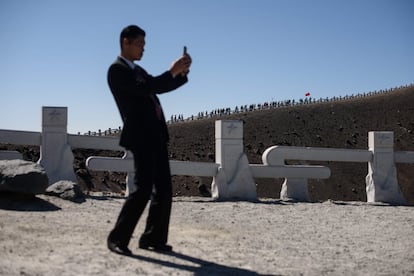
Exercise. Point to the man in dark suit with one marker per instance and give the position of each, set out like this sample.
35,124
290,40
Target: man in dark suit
145,134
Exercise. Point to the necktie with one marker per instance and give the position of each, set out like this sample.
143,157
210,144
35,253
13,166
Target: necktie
158,110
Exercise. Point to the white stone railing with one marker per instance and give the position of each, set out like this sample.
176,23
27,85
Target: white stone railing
233,176
126,164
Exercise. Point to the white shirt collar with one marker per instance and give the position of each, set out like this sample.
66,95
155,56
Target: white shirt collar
130,63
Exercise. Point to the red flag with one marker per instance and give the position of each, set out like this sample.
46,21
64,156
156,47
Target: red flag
307,94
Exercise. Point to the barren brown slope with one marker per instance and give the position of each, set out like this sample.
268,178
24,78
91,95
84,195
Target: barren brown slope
341,124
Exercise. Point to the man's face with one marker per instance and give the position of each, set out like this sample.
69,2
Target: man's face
134,49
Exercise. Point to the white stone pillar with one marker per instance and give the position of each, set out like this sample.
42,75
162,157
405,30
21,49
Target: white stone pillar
295,188
234,178
56,155
381,181
130,178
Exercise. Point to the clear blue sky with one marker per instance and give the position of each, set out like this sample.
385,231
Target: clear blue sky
56,53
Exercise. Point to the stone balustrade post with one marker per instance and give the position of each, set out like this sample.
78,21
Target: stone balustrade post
381,181
130,178
234,178
56,155
295,188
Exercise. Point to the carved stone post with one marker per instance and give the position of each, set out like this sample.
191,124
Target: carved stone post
130,183
381,181
295,188
234,178
56,155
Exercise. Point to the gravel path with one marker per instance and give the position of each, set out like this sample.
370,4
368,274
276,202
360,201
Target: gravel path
51,236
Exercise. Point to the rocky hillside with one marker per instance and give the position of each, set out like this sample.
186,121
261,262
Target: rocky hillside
339,124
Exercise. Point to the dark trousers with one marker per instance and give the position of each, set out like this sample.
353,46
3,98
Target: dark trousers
153,181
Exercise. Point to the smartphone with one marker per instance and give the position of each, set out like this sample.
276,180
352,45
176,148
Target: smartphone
185,50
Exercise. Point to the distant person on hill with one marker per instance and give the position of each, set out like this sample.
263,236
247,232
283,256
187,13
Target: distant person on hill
145,134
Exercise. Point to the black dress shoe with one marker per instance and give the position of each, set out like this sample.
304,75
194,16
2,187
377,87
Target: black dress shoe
158,248
119,249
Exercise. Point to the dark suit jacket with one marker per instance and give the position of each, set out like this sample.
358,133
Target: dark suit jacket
132,90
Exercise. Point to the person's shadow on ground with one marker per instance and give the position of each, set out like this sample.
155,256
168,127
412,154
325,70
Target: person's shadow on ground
200,267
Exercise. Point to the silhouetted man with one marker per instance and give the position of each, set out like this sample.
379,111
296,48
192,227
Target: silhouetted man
145,134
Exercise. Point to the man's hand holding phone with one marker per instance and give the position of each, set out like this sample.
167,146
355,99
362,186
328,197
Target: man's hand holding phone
182,65
187,61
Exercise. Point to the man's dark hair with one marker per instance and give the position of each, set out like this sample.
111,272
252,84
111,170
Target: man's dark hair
131,32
